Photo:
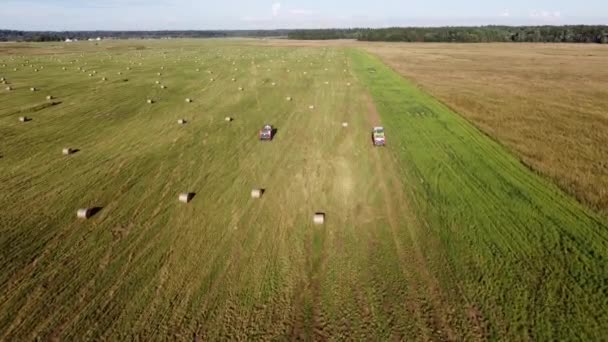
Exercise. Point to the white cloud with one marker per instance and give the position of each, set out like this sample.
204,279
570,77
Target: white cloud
276,9
299,11
547,15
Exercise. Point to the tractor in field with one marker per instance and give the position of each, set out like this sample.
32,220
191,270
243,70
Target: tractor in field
266,133
378,137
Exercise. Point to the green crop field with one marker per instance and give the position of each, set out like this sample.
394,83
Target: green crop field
440,235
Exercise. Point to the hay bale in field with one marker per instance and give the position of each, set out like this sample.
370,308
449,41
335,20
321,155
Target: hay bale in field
273,84
241,89
2,79
9,88
186,197
150,101
311,107
319,218
119,73
212,79
234,80
257,193
345,124
348,84
24,119
159,74
157,82
326,82
181,121
227,119
289,98
188,100
163,87
197,70
84,213
104,79
67,151
33,89
50,97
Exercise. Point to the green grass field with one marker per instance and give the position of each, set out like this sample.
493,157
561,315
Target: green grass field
442,235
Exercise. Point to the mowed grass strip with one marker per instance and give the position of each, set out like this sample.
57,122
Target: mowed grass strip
527,260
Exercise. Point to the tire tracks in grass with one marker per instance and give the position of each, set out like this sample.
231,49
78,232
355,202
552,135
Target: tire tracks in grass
426,294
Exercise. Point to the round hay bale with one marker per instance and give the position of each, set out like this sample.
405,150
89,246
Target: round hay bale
159,74
84,213
163,87
35,70
23,119
104,78
234,80
319,218
50,97
150,101
119,73
157,82
181,121
345,124
256,193
186,197
326,82
197,70
2,79
288,98
67,151
213,79
241,89
227,119
273,84
128,68
33,89
311,107
9,88
348,84
188,100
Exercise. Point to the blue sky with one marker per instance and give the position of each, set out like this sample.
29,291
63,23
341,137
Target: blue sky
251,14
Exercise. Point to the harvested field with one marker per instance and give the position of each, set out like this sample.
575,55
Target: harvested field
441,235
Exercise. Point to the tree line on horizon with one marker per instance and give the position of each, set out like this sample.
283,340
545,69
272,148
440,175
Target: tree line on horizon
472,34
477,34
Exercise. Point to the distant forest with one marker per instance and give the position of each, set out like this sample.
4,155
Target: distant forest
482,34
49,36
